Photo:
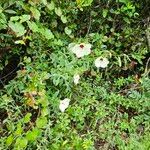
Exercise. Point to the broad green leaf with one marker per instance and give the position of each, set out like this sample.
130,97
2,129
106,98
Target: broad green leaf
124,1
105,11
9,140
58,11
10,11
67,31
83,3
43,101
48,34
24,18
44,111
51,6
3,21
32,135
33,26
17,27
19,129
21,142
27,117
41,122
14,18
1,9
44,2
63,19
35,12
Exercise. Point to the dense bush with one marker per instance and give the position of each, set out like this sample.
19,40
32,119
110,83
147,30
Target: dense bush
74,75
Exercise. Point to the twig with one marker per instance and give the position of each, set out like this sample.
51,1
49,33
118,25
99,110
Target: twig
90,20
9,73
147,69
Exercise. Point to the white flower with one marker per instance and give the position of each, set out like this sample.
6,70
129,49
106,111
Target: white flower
80,50
64,104
76,79
101,62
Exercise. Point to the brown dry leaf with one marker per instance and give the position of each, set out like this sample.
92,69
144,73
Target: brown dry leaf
30,100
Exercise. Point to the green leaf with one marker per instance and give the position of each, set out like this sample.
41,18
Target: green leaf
21,142
9,11
35,12
24,18
44,2
105,12
124,1
3,21
63,19
20,42
127,20
51,6
67,31
83,3
9,140
44,111
27,117
17,27
14,18
33,26
19,129
32,135
119,61
41,122
48,34
43,101
58,11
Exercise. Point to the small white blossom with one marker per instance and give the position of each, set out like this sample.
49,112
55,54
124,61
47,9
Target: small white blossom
76,79
101,62
80,50
64,104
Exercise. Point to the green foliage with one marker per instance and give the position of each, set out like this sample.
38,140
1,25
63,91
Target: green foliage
108,108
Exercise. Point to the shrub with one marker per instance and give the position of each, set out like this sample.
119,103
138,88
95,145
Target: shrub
91,54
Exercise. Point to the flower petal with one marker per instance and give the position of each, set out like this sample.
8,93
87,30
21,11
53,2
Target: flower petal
81,49
64,104
76,78
101,62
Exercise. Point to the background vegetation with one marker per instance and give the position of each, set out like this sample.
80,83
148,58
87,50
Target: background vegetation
109,107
